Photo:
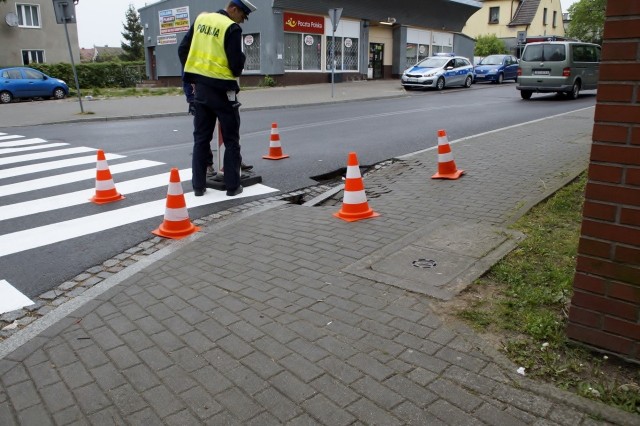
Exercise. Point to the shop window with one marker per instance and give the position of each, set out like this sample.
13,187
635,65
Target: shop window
28,15
251,49
494,15
441,49
303,52
346,53
416,53
32,57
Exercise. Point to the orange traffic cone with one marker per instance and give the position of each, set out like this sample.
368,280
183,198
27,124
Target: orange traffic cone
275,150
105,189
446,165
176,222
354,203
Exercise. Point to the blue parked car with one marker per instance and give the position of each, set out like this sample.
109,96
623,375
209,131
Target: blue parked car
496,68
24,82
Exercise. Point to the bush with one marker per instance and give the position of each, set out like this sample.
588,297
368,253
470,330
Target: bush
489,45
101,75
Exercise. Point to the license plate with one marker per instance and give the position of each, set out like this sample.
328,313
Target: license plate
541,72
412,80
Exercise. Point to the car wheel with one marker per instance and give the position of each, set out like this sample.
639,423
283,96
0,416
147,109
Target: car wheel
5,97
526,94
468,81
575,91
500,78
59,93
440,83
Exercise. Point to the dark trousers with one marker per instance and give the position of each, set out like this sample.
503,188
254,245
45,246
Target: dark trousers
211,104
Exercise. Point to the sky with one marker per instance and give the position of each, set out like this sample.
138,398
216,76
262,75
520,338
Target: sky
102,25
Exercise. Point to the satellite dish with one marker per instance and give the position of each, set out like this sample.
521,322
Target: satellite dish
11,19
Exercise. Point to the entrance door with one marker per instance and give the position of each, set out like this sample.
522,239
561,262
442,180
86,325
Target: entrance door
376,54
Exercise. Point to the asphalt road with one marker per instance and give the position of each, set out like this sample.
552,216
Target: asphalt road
317,138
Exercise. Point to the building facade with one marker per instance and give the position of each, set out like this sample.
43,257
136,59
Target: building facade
30,34
293,41
517,22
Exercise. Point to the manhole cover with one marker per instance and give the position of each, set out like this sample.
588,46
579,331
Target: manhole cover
424,263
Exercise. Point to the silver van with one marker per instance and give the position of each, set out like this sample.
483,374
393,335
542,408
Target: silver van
564,67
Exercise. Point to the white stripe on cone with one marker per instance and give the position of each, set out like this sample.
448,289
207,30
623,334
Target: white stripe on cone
102,165
353,172
104,185
354,197
445,158
174,188
176,215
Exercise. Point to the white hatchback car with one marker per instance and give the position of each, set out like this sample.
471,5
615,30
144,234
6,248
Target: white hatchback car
439,72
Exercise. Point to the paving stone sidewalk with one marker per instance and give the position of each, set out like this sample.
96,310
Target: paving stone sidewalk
254,320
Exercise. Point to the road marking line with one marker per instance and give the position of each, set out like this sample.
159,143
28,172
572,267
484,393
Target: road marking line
54,233
21,142
81,197
4,138
48,154
31,148
51,165
11,298
51,181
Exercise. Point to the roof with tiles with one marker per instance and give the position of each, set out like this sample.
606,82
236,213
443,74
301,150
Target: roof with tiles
525,13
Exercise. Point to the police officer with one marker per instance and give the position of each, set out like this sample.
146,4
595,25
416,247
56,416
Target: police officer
212,58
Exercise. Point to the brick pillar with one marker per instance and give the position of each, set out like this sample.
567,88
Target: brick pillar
605,308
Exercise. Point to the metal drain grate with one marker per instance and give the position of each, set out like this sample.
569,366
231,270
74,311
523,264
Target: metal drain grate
424,263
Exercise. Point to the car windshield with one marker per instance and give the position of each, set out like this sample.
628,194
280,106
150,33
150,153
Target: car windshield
491,60
432,62
544,52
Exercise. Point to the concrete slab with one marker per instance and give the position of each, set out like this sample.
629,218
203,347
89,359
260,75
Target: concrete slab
439,260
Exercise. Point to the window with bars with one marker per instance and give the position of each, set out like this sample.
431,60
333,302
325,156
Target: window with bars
28,15
32,57
251,48
303,52
346,53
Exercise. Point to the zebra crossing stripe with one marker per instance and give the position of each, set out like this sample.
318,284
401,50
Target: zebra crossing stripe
5,137
47,154
11,298
19,241
31,148
80,197
51,181
52,165
21,142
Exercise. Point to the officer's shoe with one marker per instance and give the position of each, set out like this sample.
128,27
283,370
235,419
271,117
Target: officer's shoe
234,192
245,167
199,192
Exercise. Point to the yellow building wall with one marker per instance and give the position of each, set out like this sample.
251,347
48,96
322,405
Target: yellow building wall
384,35
478,24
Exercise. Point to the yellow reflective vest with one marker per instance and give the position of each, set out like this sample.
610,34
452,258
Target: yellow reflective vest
206,55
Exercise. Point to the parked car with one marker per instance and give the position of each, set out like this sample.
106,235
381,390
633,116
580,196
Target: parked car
439,72
496,69
24,82
564,67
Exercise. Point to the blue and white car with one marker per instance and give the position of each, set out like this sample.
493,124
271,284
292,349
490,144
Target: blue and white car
439,72
496,69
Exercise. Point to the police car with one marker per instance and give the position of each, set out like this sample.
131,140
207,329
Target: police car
439,71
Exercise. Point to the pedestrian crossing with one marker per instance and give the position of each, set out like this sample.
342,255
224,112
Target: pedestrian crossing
45,191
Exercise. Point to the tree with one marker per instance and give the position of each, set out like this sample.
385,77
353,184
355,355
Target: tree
489,44
587,20
134,45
